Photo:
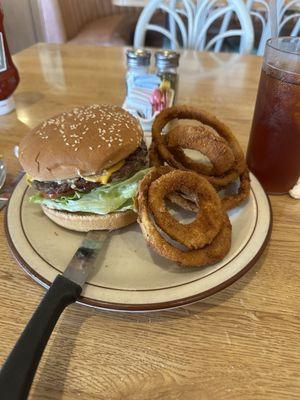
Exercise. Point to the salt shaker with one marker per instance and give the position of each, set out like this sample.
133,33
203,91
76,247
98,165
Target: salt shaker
138,63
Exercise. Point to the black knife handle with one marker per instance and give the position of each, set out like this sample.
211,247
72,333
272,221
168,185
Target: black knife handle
18,371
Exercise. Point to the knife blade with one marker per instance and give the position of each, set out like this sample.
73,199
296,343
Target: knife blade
81,263
17,373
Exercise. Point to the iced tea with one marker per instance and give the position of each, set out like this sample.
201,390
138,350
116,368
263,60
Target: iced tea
274,146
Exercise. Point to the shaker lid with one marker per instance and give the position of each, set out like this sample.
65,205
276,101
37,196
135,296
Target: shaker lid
7,105
166,59
138,57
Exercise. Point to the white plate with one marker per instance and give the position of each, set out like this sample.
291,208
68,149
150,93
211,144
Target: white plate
129,276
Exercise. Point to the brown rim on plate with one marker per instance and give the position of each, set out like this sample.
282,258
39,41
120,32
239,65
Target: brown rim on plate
139,307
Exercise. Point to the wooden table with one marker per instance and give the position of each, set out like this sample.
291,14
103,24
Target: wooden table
242,343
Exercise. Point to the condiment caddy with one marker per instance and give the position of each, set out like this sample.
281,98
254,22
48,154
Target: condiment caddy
148,93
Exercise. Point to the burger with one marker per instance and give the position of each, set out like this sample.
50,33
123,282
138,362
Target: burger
85,165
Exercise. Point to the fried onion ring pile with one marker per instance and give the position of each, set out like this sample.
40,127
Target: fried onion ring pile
206,239
210,137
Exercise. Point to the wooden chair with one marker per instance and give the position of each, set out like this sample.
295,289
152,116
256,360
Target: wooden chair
87,21
200,25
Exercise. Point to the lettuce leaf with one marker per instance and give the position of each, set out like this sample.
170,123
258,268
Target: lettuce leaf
115,196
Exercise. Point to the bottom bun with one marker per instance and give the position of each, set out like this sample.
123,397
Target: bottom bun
84,222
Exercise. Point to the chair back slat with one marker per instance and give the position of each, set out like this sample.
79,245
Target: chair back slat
191,24
287,15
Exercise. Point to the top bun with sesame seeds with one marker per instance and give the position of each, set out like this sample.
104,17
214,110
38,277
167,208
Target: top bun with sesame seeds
80,143
86,164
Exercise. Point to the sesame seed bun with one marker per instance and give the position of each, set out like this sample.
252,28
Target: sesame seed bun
81,142
90,222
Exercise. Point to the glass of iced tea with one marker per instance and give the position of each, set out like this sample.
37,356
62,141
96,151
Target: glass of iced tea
273,153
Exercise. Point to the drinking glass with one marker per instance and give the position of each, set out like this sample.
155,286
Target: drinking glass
273,153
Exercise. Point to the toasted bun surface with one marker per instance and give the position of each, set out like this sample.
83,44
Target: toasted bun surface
82,222
80,142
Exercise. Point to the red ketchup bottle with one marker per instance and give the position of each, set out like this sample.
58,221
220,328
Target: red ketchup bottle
9,77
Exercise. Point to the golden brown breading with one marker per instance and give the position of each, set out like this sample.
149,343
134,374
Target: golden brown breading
216,247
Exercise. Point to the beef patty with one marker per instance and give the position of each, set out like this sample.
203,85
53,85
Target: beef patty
133,163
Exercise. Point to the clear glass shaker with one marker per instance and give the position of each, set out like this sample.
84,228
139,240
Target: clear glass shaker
166,62
138,63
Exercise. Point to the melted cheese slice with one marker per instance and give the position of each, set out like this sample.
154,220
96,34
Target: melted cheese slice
104,178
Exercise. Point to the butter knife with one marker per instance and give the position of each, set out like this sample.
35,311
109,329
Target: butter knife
18,371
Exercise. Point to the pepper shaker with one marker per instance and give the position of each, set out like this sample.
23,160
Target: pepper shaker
166,62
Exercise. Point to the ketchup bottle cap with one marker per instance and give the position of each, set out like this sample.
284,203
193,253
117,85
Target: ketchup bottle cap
7,105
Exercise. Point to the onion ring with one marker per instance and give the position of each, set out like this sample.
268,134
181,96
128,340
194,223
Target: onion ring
154,158
228,202
232,201
207,223
184,112
204,139
182,200
162,153
208,254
